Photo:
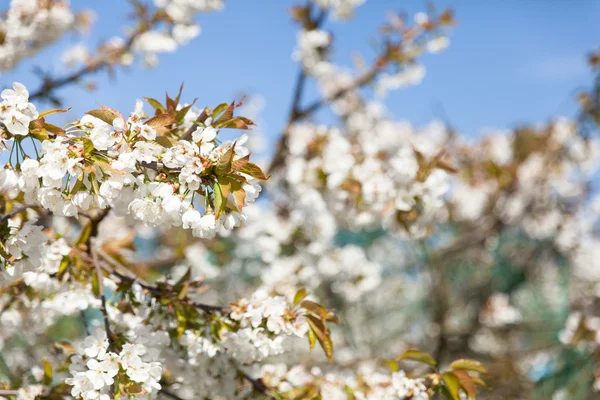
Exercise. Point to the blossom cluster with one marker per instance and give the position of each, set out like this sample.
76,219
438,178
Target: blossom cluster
551,166
16,112
181,27
21,248
133,166
259,326
367,382
377,181
93,374
396,67
343,9
29,26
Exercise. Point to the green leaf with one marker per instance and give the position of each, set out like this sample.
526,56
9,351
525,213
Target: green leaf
95,284
468,365
219,109
452,383
88,146
312,338
47,380
254,171
416,355
64,264
85,234
300,295
105,115
155,104
226,116
179,117
220,200
480,382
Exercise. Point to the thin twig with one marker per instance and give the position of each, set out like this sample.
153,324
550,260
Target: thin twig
201,118
359,82
133,278
18,210
100,277
9,392
170,394
282,145
84,322
258,385
210,308
49,84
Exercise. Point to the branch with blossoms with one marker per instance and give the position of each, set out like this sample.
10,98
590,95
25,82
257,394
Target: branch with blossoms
138,167
401,45
158,27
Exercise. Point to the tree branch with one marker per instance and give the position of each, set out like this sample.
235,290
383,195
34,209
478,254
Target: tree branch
169,394
282,145
49,85
100,277
257,385
201,118
133,278
18,210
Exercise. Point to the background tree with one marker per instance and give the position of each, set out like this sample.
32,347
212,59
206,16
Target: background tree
136,262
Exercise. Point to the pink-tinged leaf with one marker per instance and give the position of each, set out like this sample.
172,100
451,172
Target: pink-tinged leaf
226,116
225,162
466,382
160,122
236,165
118,114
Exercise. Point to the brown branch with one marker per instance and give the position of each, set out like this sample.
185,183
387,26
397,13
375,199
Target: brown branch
18,210
170,394
358,83
50,84
210,308
282,145
257,385
201,118
296,115
133,278
8,392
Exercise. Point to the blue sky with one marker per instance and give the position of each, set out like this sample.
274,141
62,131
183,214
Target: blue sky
509,61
